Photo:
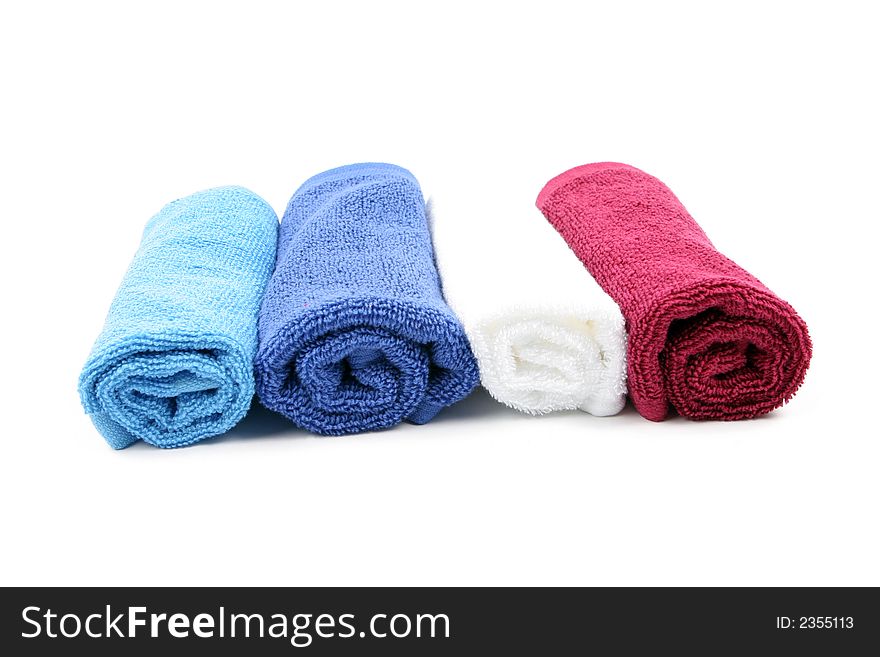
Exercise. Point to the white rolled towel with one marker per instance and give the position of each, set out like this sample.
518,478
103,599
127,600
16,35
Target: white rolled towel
545,335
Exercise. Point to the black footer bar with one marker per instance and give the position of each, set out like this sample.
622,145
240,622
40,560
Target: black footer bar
432,621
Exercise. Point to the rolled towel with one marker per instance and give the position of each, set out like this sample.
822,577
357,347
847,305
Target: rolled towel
354,332
174,362
545,335
705,336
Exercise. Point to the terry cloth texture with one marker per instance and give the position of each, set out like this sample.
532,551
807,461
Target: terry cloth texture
354,332
704,335
545,335
174,363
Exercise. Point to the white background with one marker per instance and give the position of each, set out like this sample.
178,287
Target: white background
762,117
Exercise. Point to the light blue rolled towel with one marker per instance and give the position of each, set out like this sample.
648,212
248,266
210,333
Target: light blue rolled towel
174,362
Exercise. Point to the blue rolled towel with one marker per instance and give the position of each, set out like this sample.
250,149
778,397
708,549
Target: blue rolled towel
354,332
174,363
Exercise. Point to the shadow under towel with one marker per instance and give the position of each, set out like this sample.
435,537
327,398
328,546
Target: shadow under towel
705,336
174,362
354,332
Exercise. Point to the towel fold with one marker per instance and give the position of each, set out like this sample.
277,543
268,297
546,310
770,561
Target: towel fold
173,364
354,332
705,336
545,335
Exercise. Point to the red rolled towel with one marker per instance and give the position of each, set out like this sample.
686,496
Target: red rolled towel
705,336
